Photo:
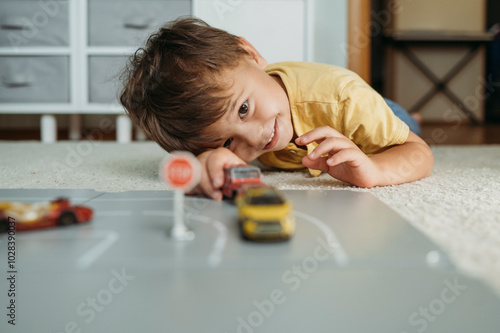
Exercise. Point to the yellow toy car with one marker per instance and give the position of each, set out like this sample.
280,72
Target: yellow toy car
264,214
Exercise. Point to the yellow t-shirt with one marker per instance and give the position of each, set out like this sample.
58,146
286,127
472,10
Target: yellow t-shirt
320,95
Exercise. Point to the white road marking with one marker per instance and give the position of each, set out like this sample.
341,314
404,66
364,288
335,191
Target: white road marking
89,257
133,199
339,252
215,256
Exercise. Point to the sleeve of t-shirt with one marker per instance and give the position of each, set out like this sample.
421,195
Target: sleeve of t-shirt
367,119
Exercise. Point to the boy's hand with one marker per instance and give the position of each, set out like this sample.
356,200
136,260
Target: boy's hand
212,171
345,161
406,162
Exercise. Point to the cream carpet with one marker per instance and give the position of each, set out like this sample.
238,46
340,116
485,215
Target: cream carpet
458,207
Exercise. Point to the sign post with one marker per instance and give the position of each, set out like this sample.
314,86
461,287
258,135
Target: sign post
181,171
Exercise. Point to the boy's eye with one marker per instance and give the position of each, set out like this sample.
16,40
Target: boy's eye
243,110
227,143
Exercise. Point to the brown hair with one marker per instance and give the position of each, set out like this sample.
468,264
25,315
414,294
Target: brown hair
172,88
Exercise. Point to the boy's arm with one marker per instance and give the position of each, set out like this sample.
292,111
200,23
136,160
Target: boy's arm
403,163
410,161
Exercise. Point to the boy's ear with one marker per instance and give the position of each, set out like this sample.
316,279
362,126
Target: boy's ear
252,51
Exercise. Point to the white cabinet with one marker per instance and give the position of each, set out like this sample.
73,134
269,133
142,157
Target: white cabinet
129,23
103,84
34,79
25,23
64,57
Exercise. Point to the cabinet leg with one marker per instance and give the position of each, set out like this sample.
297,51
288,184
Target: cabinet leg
48,128
140,135
123,129
75,126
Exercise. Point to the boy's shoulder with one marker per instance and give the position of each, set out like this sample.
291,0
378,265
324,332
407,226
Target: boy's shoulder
305,65
318,81
312,69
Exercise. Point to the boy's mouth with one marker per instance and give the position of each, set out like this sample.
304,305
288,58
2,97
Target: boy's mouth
273,138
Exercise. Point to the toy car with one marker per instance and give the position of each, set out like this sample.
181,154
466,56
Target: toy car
28,216
237,178
264,214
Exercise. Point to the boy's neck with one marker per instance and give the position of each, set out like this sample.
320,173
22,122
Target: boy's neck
280,82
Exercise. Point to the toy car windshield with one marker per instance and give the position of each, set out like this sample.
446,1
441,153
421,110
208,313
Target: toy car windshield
244,173
266,200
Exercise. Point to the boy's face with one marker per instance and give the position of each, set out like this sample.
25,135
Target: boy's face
259,118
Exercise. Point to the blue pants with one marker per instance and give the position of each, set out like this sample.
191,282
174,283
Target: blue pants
405,116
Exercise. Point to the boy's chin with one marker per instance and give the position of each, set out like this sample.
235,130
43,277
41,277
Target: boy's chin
278,147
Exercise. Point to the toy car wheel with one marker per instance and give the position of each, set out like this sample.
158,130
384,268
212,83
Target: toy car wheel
3,226
242,233
67,218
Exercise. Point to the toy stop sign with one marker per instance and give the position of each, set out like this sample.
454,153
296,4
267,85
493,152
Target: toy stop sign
181,171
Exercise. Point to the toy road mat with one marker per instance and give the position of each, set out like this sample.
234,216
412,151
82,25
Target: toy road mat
353,265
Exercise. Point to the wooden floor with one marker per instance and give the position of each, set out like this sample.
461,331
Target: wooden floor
434,134
445,134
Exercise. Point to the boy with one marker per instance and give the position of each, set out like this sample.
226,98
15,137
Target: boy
197,88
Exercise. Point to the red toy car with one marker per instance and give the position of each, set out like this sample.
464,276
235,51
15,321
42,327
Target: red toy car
28,216
237,178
